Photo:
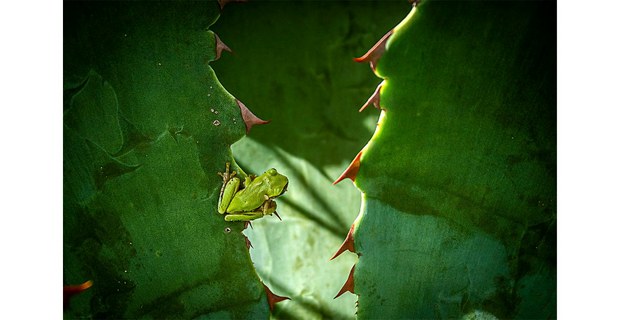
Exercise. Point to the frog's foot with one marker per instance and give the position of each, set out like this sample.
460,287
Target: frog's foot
226,176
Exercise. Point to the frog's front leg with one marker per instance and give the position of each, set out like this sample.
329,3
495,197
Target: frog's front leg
269,207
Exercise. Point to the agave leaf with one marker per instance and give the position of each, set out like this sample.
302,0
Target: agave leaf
459,208
147,127
292,64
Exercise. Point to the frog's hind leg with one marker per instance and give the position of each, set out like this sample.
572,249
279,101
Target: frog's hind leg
243,217
269,207
226,176
228,191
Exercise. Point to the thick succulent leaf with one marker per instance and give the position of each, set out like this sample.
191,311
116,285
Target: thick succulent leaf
292,64
147,127
459,213
296,62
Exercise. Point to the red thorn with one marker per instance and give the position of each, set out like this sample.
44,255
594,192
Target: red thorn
70,291
224,2
348,285
248,223
351,171
348,244
273,298
375,99
219,47
375,52
248,117
248,243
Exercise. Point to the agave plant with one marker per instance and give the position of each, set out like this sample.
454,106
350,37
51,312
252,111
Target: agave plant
452,210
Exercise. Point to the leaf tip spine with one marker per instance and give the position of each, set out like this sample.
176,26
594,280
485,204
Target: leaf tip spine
348,243
273,298
348,285
374,54
351,171
219,47
249,118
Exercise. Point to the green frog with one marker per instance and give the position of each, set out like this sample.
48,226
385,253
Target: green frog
253,200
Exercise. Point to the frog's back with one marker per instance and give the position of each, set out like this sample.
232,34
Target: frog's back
248,199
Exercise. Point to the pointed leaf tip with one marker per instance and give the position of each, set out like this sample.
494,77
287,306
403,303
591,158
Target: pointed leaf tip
70,291
348,244
375,99
273,298
248,243
248,223
348,285
375,52
249,118
351,171
219,47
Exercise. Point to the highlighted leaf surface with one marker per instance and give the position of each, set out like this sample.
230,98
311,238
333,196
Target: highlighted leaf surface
459,178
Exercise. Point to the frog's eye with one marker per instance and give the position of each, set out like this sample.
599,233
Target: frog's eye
272,172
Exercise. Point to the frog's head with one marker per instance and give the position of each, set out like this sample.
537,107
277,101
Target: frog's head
277,183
